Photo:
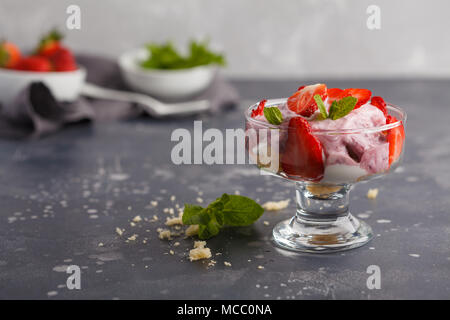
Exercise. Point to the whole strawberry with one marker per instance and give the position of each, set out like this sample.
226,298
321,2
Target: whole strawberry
49,44
63,60
34,63
9,55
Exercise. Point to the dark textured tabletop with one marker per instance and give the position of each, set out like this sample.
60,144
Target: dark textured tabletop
63,196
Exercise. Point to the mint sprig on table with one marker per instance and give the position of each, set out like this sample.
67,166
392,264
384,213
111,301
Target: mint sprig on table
273,115
338,109
228,210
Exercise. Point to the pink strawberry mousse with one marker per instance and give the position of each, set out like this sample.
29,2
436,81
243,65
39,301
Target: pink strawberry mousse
365,153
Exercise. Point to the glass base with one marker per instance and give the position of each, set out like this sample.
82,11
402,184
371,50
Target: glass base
322,236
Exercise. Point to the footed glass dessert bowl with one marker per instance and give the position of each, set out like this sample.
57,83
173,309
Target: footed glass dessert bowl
325,158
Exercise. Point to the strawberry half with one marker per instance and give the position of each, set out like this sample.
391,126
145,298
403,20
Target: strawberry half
9,55
34,63
363,95
335,94
380,104
396,138
302,102
259,111
303,151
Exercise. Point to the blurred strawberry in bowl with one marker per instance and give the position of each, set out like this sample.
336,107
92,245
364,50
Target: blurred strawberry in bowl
50,62
9,55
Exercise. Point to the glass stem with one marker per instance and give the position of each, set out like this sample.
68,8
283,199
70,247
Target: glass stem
322,202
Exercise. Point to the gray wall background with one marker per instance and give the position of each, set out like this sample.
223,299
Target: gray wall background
261,38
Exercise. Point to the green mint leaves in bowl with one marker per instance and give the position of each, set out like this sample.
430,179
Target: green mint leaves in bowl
167,57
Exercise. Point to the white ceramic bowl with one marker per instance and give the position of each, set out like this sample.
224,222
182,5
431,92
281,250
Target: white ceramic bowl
65,86
168,84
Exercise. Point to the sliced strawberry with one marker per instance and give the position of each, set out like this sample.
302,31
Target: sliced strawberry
9,55
302,102
259,111
396,138
363,95
63,60
34,63
335,94
380,104
303,151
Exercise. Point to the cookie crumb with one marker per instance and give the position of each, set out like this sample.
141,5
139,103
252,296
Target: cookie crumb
175,221
192,230
199,251
276,205
119,231
372,193
132,238
137,219
165,234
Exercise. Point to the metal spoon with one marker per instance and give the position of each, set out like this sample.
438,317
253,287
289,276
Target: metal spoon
150,105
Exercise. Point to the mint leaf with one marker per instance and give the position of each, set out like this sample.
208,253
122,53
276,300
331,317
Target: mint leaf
195,215
321,105
209,230
342,107
273,115
241,211
231,210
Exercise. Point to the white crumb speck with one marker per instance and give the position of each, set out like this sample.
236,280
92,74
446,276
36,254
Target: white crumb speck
119,231
133,237
276,205
372,193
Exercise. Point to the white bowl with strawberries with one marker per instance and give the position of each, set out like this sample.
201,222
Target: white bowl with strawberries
50,63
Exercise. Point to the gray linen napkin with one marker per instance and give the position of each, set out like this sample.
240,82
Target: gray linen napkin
36,112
